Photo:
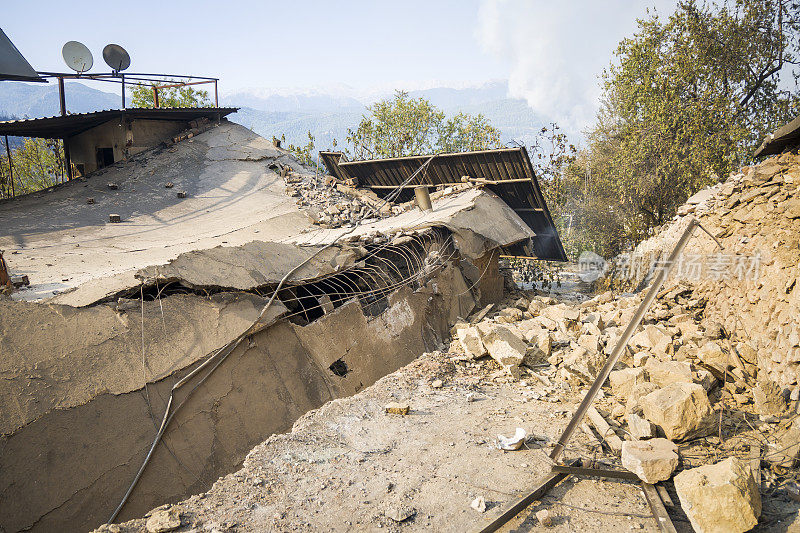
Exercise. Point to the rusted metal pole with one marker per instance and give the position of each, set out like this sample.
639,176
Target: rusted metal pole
155,96
10,168
587,401
216,95
67,159
62,100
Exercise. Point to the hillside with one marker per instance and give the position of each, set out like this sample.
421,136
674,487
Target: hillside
326,116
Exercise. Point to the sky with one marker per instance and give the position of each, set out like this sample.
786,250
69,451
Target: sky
551,52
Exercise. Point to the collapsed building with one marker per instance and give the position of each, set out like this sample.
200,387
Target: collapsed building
183,300
698,420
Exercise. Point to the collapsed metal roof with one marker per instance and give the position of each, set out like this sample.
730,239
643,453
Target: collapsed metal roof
784,137
507,172
65,126
13,66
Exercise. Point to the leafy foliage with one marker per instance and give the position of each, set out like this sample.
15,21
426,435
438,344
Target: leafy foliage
412,126
685,102
186,96
36,163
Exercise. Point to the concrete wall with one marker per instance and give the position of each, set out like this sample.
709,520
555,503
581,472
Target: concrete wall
126,139
68,469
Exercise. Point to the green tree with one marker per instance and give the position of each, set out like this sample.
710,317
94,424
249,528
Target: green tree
688,99
186,96
37,164
412,126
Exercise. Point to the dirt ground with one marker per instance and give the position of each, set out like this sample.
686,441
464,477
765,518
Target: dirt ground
349,466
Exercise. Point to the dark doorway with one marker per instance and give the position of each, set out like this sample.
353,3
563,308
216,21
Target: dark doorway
105,157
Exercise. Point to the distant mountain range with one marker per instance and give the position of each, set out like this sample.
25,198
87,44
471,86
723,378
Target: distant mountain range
326,116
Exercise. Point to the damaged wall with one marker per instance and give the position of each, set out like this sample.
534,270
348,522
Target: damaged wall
68,468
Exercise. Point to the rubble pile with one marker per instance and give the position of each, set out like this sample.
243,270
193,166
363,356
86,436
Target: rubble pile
325,204
750,285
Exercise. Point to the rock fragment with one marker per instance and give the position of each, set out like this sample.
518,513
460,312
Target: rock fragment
470,340
623,381
163,520
653,460
397,408
680,410
504,347
722,497
639,428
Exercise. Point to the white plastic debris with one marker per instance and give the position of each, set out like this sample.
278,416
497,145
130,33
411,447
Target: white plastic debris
479,504
512,443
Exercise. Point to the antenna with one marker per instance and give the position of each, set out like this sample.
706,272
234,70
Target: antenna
116,57
77,56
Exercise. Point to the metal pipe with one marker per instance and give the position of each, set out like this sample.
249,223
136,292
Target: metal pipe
61,97
123,90
155,96
622,342
423,197
216,95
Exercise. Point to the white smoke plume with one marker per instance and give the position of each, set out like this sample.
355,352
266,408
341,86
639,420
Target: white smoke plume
557,50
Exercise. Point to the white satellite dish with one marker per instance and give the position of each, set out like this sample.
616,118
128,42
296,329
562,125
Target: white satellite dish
116,57
77,56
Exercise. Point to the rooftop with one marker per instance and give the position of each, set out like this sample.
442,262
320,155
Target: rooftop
65,126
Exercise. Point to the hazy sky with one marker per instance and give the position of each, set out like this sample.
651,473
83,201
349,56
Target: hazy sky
550,51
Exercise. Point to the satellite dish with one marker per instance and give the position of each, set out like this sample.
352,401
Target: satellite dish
116,57
77,56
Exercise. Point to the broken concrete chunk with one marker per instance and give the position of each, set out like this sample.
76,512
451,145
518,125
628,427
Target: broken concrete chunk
640,358
470,340
623,381
664,373
653,460
504,347
722,497
640,428
163,520
397,408
680,410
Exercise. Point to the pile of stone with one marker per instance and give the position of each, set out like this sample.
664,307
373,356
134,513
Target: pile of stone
678,371
751,285
324,202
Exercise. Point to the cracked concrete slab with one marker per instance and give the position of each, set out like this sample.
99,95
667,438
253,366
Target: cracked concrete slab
233,197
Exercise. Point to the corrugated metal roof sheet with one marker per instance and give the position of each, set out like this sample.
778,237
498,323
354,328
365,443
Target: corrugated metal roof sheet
513,165
784,137
58,127
13,66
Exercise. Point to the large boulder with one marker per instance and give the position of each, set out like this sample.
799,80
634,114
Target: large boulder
720,498
652,460
680,410
504,347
